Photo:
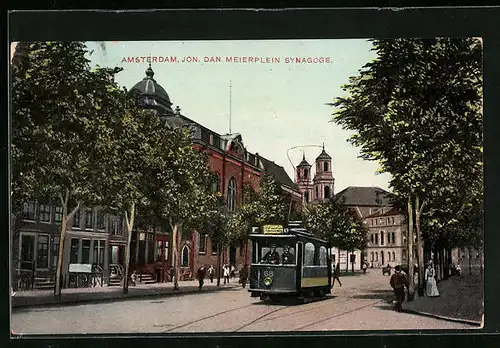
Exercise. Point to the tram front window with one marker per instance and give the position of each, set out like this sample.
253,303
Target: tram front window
277,254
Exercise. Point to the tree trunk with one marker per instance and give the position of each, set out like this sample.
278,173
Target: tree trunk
218,264
176,255
411,288
470,265
481,270
352,263
64,221
246,252
420,249
130,226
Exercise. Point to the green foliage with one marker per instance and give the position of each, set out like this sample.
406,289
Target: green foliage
334,223
416,110
54,106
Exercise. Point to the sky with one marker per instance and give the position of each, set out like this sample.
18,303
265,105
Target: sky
276,105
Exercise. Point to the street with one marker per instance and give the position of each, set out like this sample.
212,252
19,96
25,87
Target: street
362,303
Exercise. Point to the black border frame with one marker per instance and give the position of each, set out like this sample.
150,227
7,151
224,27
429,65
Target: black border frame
230,24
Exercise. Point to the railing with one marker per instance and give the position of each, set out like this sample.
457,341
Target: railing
25,280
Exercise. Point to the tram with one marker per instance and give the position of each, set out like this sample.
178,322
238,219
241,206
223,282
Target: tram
289,261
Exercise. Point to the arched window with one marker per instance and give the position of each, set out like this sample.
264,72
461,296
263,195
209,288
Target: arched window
231,195
185,256
372,240
381,237
309,254
371,257
325,166
393,256
322,256
202,242
382,257
298,173
376,257
327,192
305,173
389,256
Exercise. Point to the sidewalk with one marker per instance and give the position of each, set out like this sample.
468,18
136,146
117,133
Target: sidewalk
73,296
461,299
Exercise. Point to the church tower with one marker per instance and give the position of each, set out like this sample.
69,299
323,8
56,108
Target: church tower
303,180
323,179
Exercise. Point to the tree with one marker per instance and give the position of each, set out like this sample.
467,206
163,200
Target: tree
416,110
54,107
333,222
180,186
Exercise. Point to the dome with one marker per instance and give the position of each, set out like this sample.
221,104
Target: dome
151,94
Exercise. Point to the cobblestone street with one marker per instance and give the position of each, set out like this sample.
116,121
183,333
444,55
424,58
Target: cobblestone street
362,303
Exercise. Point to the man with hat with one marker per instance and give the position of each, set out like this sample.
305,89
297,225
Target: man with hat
398,282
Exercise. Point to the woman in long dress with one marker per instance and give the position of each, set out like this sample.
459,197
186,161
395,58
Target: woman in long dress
431,289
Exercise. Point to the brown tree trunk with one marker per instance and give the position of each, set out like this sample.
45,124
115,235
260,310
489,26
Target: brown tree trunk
175,249
420,249
470,265
411,288
64,221
129,219
218,263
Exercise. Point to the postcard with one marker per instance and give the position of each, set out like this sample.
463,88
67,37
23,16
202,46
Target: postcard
246,186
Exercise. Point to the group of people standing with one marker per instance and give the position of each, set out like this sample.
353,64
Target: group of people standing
399,281
227,272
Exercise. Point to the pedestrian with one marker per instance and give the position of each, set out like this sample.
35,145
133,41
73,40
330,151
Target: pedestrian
244,275
431,289
233,271
133,278
336,275
226,273
398,282
201,276
211,272
365,266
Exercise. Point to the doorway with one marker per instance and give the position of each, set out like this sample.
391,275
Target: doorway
232,255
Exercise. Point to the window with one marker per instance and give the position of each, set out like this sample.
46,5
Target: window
231,195
403,254
202,243
214,246
85,251
381,221
45,212
59,214
317,193
101,220
211,139
393,238
98,254
185,256
75,245
165,251
371,239
55,251
29,211
371,257
389,256
376,257
305,173
88,218
76,219
322,256
309,254
116,225
376,238
381,237
392,221
159,250
276,252
216,184
327,192
42,259
325,166
393,256
388,238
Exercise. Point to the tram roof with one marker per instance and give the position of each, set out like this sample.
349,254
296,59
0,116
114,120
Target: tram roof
292,233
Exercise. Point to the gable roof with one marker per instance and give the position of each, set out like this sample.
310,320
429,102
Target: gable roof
364,196
278,172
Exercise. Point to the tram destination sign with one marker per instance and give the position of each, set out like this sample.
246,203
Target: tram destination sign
273,229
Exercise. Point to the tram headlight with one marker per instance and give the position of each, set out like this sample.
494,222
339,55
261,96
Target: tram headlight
268,281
